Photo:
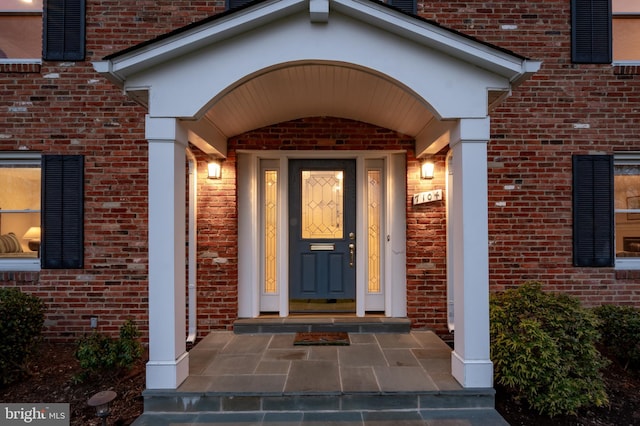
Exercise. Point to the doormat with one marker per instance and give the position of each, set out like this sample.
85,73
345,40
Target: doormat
319,338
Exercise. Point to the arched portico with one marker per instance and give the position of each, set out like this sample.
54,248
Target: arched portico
280,60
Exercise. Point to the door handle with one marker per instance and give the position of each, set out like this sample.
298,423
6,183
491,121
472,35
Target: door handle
352,249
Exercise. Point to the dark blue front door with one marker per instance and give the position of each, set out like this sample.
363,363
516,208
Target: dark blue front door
322,209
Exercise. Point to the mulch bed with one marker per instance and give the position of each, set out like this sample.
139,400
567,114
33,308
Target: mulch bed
623,389
52,373
53,378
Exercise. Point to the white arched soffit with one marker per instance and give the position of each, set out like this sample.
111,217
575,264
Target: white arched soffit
314,88
190,72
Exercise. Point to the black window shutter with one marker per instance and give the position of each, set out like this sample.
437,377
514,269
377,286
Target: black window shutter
62,212
63,30
408,6
593,214
591,31
232,4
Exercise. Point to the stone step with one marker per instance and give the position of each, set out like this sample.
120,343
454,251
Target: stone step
162,401
322,324
469,407
468,417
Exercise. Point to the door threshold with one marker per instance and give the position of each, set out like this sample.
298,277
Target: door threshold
374,323
332,315
322,306
324,315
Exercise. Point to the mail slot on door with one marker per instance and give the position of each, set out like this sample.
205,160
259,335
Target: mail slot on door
322,247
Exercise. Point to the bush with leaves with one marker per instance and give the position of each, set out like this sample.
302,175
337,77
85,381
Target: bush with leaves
100,354
620,329
21,320
543,346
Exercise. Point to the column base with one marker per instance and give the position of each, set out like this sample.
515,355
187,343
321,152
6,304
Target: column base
472,373
167,374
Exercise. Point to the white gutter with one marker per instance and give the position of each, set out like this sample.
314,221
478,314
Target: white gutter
192,237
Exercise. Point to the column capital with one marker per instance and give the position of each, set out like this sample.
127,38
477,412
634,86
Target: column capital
165,129
471,130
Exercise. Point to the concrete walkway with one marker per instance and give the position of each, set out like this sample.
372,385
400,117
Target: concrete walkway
263,379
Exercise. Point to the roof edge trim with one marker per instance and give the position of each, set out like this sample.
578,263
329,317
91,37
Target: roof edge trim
515,68
193,37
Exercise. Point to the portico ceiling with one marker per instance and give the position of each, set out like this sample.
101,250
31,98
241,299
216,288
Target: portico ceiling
309,90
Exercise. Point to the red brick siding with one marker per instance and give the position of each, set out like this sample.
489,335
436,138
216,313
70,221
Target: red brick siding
217,220
61,107
217,250
426,249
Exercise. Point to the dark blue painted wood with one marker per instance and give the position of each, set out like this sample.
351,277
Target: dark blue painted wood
321,274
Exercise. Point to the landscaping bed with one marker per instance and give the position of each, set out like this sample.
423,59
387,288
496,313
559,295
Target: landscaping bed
54,369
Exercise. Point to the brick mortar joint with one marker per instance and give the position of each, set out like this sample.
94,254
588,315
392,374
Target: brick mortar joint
20,68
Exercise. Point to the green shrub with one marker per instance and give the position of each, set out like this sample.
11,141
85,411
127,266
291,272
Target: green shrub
620,329
128,347
543,349
21,320
100,354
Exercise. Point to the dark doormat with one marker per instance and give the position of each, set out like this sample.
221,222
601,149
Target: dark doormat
319,338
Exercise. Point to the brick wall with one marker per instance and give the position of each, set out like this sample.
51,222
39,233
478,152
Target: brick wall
66,108
426,249
217,256
564,109
61,107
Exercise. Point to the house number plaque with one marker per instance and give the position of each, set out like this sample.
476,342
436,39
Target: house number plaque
427,197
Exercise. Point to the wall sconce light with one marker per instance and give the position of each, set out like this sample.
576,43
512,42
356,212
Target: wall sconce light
215,169
426,170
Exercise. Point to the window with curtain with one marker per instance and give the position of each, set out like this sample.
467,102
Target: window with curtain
627,209
20,188
606,210
20,29
605,31
626,31
41,211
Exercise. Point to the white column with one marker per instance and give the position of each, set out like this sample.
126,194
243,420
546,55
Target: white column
396,243
248,237
470,361
168,364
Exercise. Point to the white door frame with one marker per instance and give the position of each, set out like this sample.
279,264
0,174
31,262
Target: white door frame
392,301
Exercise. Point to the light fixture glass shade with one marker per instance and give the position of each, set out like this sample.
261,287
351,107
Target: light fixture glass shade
215,170
32,234
101,401
427,170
